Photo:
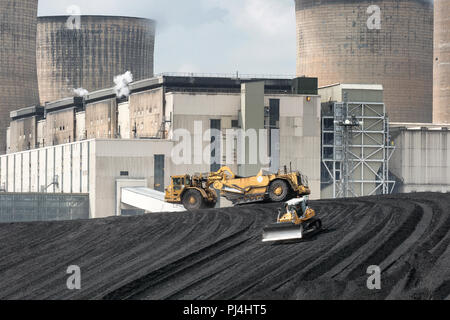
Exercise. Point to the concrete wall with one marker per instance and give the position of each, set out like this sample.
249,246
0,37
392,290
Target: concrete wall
133,156
441,92
40,133
8,139
300,136
123,120
252,115
186,109
421,159
80,126
354,92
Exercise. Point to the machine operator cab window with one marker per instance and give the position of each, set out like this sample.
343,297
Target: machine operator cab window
298,206
178,183
302,180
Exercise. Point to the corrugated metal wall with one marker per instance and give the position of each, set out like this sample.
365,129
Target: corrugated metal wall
421,160
36,169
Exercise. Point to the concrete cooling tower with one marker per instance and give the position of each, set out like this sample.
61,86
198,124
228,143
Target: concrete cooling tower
18,83
88,53
388,42
441,111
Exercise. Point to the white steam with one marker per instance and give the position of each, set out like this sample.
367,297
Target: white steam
80,92
122,81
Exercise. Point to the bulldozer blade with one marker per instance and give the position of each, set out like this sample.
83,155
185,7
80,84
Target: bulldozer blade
282,231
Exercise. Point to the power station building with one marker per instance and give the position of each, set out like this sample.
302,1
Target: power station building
361,128
99,145
441,93
89,51
48,58
387,42
421,159
18,80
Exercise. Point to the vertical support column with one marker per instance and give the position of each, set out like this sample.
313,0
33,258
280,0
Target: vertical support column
274,134
216,150
252,111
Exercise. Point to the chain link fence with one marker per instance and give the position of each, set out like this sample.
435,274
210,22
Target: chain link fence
27,207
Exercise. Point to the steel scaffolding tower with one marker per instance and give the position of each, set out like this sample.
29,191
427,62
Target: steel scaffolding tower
356,149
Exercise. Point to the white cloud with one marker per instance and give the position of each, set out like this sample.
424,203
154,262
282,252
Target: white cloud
267,17
188,68
210,36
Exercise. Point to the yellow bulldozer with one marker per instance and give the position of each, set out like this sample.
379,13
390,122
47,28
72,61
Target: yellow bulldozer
295,220
199,191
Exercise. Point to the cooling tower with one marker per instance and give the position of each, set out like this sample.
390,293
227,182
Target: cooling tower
89,54
18,81
388,42
441,105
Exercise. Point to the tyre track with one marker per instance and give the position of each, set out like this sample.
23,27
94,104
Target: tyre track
218,254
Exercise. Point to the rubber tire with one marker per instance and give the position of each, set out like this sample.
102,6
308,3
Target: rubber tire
273,186
210,205
199,203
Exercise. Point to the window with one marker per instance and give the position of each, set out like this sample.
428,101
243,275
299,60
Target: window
124,173
178,183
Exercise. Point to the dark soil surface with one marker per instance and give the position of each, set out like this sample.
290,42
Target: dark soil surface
218,254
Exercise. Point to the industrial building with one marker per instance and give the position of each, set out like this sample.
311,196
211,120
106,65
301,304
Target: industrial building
101,145
421,159
43,59
92,168
18,80
364,154
388,42
91,54
356,147
441,92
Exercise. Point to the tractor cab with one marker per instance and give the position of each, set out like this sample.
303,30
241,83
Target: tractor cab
297,206
176,187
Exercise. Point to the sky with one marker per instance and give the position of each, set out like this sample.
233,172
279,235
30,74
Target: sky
208,36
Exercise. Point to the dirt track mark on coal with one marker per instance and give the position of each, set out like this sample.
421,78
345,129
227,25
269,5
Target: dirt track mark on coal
218,254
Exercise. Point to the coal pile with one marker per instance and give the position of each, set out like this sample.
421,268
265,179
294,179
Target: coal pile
218,254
